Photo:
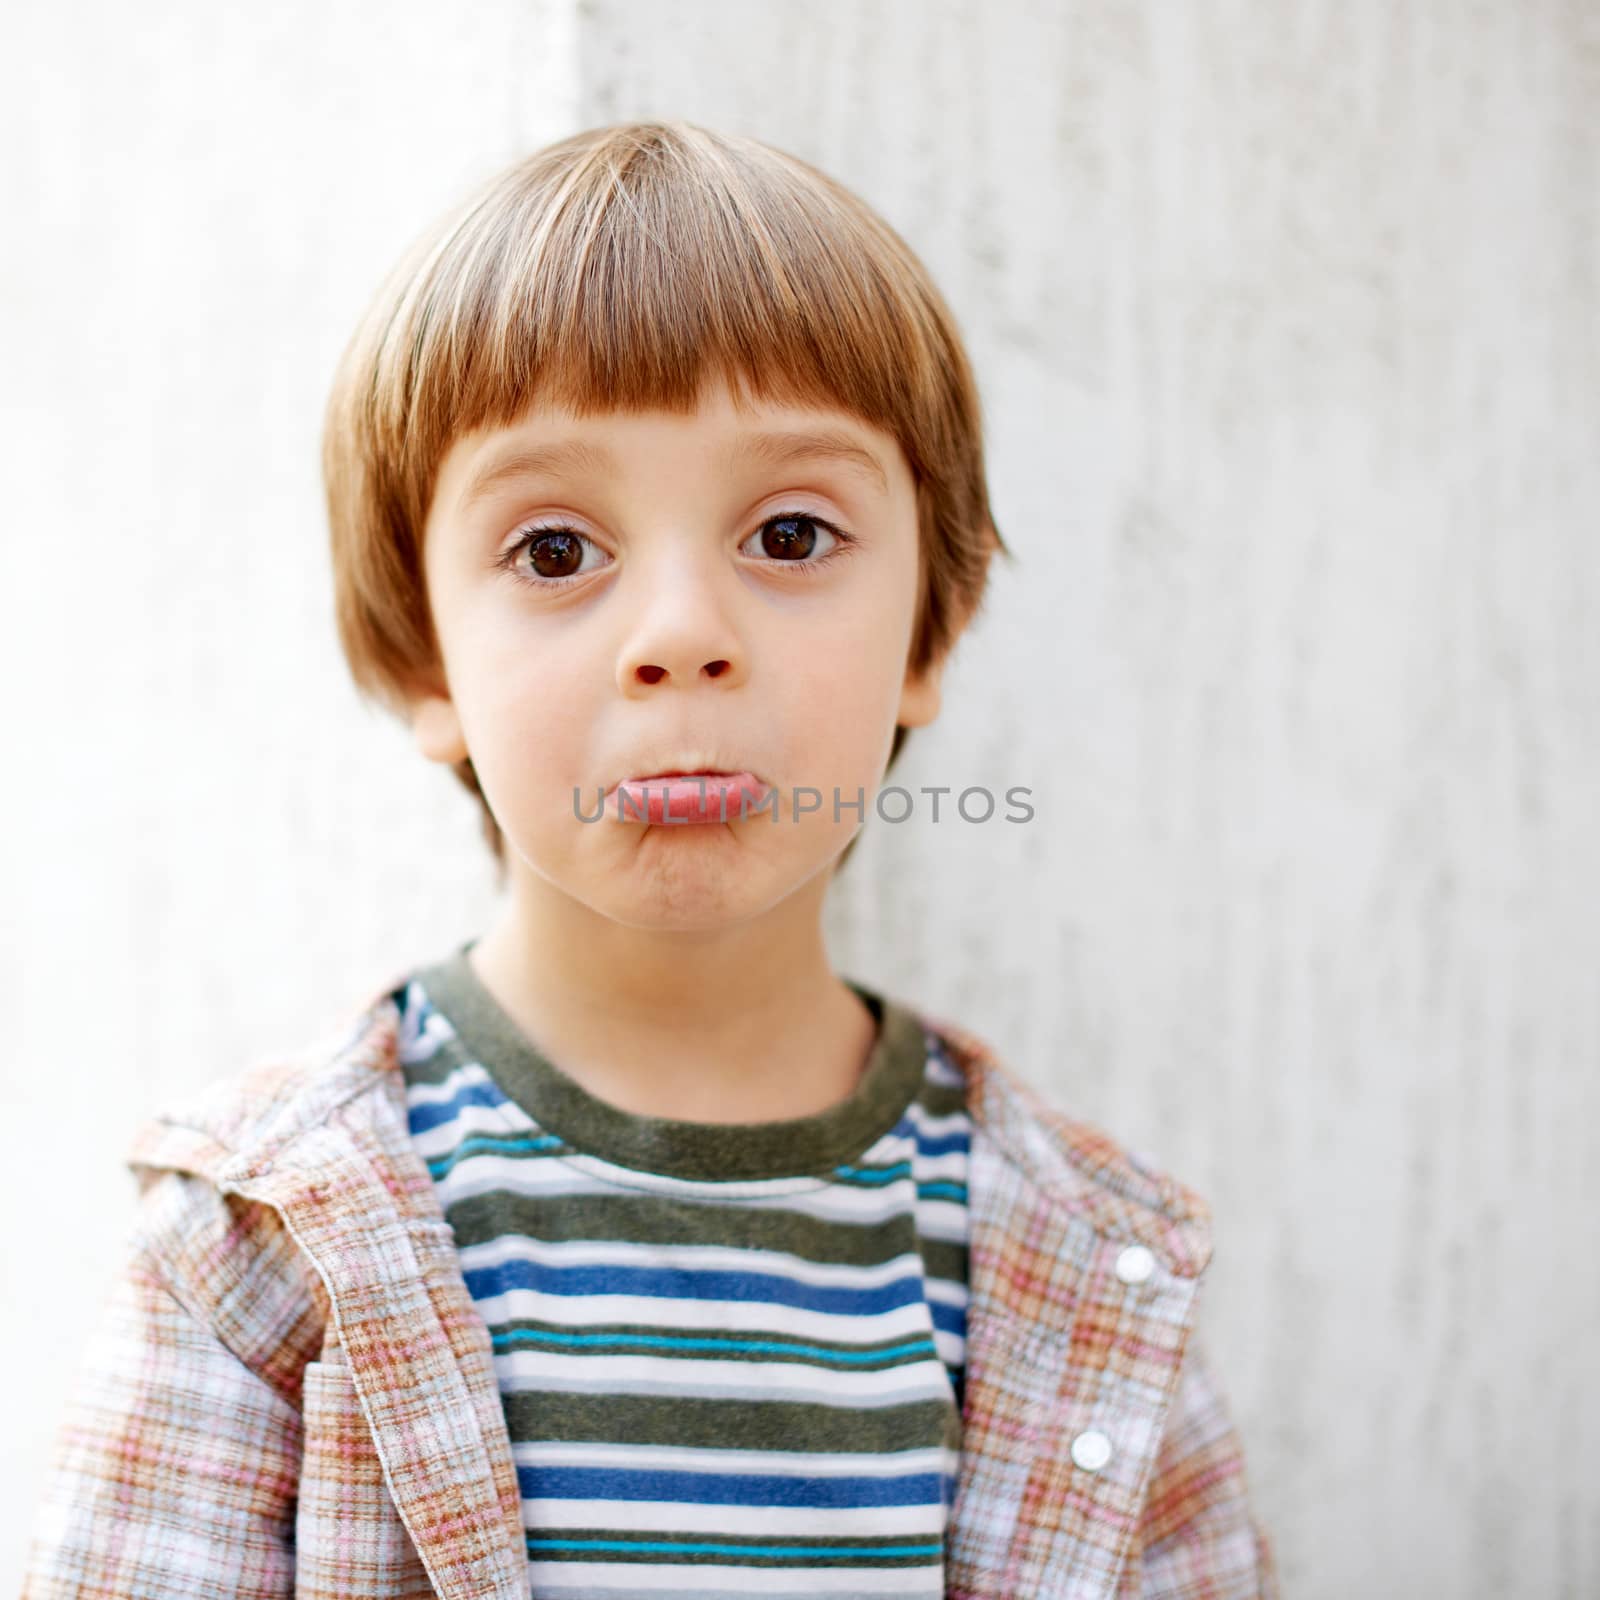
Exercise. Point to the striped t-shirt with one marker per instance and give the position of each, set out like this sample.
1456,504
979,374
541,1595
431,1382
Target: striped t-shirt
731,1355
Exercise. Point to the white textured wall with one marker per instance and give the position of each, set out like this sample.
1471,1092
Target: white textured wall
1288,325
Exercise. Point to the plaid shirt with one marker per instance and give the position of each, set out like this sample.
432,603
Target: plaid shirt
290,1392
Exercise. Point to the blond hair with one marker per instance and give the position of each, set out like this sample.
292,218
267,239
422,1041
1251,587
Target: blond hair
619,269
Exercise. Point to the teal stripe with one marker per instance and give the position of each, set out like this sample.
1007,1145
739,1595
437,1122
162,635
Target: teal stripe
901,1169
808,1552
440,1165
921,1347
876,1177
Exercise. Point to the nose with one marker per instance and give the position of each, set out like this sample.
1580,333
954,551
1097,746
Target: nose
684,636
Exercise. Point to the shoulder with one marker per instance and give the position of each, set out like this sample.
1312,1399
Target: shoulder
227,1258
236,1123
1051,1156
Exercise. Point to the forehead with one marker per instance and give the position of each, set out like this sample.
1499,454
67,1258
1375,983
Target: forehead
729,431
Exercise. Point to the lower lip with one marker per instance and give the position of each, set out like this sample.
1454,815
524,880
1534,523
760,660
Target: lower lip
705,797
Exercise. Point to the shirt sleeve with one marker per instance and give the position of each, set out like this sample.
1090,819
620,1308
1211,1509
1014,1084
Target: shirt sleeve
175,1468
1198,1534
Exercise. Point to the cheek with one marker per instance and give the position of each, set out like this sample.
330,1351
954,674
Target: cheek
837,722
859,660
526,715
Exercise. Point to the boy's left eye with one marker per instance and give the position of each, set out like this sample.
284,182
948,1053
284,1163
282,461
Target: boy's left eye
787,539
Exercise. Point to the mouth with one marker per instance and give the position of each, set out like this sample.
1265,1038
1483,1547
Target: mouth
689,794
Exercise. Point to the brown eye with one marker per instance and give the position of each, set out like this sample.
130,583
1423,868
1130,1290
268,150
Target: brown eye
555,558
555,555
789,538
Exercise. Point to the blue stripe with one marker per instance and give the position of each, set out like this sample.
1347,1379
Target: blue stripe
676,1283
426,1115
767,1489
944,1144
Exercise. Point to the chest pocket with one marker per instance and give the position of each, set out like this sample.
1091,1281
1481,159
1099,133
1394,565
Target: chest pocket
349,1539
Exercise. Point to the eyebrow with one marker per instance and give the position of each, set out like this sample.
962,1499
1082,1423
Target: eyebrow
780,448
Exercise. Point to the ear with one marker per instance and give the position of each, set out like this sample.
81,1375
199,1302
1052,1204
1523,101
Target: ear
919,695
435,727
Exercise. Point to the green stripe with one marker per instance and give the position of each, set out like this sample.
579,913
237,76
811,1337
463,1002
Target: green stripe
733,1423
654,1219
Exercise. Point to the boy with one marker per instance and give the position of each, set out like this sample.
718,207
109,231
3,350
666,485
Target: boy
626,1249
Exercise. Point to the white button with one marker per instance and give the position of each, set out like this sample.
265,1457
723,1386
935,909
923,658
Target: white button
1135,1264
1091,1450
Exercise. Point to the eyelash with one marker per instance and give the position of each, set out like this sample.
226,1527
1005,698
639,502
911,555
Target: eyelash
507,560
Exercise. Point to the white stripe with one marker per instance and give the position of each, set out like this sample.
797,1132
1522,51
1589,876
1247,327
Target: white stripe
508,1247
940,1127
946,1291
942,1219
912,1523
930,1169
582,1175
736,1463
707,1377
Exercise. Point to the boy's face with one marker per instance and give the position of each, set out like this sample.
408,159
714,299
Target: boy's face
709,616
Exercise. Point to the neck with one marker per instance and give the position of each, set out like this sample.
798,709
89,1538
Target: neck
741,1023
